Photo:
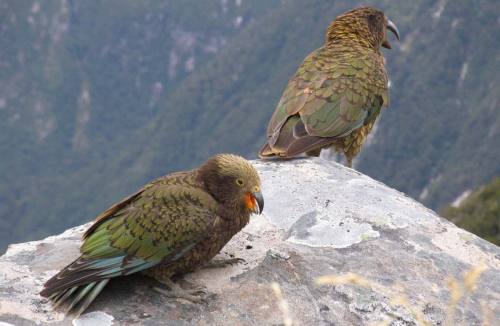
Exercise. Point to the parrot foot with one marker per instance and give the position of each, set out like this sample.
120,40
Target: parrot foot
196,295
221,263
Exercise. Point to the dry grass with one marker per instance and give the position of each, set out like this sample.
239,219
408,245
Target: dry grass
466,287
282,304
349,278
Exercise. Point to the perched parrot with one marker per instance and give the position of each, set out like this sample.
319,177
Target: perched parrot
171,226
337,93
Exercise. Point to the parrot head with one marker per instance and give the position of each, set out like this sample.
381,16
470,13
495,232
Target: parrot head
233,182
366,25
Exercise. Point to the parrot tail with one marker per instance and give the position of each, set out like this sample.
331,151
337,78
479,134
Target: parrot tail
79,283
77,298
266,152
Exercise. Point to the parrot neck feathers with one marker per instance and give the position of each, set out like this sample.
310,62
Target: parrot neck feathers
360,26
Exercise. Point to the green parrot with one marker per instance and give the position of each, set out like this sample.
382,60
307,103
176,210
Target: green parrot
171,226
337,93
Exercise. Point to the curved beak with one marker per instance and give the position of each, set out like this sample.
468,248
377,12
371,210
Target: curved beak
257,202
393,28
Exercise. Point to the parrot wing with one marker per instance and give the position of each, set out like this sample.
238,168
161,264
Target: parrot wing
160,222
330,96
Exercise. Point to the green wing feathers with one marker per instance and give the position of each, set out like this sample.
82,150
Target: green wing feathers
161,222
333,93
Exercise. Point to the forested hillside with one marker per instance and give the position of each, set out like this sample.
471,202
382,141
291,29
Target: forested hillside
98,97
479,212
78,82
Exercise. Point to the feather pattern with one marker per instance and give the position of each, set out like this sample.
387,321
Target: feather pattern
138,236
171,225
337,93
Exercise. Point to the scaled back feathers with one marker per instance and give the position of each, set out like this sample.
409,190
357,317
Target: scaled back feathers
174,224
337,93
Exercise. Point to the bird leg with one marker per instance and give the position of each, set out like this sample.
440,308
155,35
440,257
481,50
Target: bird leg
349,161
197,295
221,263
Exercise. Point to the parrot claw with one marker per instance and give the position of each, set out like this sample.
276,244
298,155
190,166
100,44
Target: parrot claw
196,295
221,263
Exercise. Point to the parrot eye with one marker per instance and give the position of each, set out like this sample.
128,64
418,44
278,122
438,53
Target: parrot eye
373,18
239,182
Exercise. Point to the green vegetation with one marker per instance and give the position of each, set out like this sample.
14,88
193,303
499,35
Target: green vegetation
479,213
98,97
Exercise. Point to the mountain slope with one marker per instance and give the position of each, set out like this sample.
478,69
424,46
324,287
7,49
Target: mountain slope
438,138
479,212
97,99
78,80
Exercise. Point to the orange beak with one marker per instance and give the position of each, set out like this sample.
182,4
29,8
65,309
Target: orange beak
254,202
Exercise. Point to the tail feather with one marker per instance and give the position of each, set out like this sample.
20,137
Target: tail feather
78,298
306,144
70,276
266,151
61,298
83,290
91,296
77,285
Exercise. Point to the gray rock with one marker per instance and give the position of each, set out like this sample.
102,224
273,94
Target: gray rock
320,219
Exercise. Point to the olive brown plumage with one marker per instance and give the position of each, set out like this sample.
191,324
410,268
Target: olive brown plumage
337,92
171,226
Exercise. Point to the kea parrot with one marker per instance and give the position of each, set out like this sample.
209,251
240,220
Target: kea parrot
171,226
337,93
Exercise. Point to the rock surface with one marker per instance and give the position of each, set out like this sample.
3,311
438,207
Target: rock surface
320,219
